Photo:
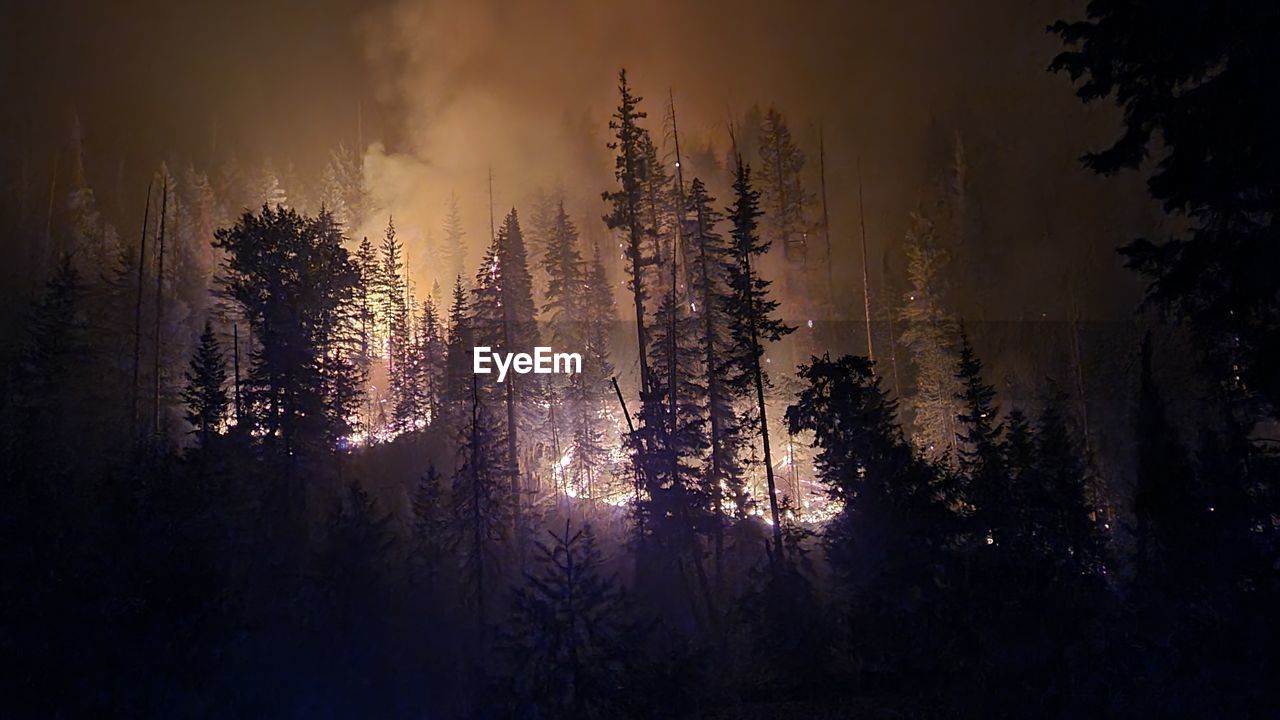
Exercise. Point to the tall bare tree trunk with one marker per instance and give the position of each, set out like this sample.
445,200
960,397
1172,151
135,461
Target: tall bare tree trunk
676,248
866,277
137,316
235,340
477,534
155,388
826,221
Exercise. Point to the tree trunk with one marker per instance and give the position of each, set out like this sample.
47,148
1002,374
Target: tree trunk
137,316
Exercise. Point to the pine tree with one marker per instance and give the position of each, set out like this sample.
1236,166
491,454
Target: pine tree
783,196
504,319
1020,457
710,300
455,249
672,449
562,263
432,358
480,506
658,207
784,201
564,310
205,394
627,203
265,188
458,364
1068,528
428,532
198,215
545,207
411,404
295,283
343,189
981,442
571,639
56,349
676,502
93,243
928,335
366,297
111,307
752,321
395,312
590,389
888,512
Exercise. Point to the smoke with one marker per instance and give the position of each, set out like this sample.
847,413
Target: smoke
525,90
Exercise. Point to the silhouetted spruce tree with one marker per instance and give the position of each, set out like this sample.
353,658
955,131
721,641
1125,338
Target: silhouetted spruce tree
590,389
752,321
1020,461
431,356
656,447
929,334
1069,528
429,529
981,442
205,394
710,300
343,380
295,284
564,311
411,404
658,210
565,303
886,534
480,507
111,305
570,645
366,260
627,209
545,206
49,369
455,249
458,362
393,295
677,501
504,318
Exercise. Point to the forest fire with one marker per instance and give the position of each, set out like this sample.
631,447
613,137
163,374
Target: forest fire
569,361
